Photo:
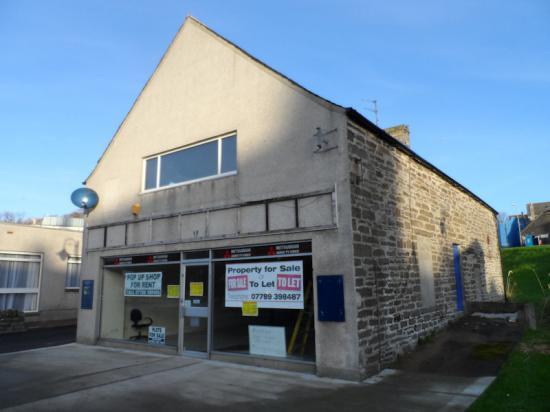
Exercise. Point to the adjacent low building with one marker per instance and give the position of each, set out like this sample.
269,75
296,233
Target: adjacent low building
539,228
40,272
534,210
242,217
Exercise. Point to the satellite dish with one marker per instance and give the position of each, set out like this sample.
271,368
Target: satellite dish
85,198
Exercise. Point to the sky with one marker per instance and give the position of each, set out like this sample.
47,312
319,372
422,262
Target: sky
471,79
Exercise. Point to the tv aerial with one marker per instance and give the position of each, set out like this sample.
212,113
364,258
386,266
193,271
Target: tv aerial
374,108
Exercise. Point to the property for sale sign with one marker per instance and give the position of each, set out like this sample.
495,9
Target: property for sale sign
271,284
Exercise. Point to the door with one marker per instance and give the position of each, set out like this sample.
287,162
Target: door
194,306
458,279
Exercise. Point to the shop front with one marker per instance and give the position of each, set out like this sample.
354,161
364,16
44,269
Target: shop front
247,304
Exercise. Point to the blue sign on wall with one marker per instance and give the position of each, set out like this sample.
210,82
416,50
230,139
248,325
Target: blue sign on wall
330,298
87,292
458,279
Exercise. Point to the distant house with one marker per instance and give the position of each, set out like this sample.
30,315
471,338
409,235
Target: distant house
534,210
40,271
539,228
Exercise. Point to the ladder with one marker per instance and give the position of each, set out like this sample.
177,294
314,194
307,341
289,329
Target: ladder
303,324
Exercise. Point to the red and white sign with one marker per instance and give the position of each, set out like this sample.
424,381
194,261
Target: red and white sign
289,282
270,284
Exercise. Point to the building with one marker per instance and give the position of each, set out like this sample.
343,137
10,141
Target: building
510,230
40,272
241,217
534,210
539,228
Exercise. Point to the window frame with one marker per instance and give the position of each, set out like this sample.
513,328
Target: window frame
72,259
159,156
38,258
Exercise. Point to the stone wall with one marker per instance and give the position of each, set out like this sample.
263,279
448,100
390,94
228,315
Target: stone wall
11,321
399,205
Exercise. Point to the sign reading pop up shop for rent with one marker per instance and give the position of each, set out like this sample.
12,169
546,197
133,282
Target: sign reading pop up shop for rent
270,284
143,284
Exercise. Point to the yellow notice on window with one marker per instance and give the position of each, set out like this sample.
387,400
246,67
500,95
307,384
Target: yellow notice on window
173,291
196,289
250,308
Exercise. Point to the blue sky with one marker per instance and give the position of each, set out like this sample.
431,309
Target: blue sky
470,78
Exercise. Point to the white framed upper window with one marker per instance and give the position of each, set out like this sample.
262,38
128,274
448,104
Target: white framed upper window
72,278
20,274
213,158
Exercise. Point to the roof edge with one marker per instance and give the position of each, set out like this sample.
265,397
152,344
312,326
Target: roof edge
527,229
265,65
351,113
136,100
356,117
27,226
218,36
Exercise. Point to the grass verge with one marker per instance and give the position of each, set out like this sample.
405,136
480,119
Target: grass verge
526,273
523,383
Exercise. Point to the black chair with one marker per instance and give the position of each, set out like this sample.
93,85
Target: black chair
136,317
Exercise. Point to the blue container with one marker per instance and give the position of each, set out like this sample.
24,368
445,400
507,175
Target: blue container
529,240
509,230
502,234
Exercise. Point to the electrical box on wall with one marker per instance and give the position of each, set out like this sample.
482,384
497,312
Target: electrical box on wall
87,291
330,298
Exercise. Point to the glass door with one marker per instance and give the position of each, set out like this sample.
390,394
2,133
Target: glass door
195,307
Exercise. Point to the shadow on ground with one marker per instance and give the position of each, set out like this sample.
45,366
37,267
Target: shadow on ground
446,374
470,347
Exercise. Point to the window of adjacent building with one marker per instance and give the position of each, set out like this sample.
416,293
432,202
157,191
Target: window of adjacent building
20,281
426,271
72,279
214,158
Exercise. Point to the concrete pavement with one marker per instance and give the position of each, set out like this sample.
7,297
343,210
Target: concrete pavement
92,378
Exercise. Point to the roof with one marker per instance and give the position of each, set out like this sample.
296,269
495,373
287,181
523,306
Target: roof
536,209
351,113
39,227
540,225
362,121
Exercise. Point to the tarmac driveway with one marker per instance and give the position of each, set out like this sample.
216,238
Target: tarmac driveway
92,378
37,338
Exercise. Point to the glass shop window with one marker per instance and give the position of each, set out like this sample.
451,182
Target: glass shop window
141,304
264,308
